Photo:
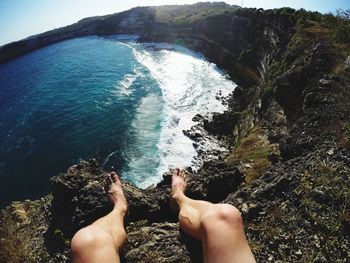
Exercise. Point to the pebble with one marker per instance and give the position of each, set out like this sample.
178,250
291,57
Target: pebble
330,151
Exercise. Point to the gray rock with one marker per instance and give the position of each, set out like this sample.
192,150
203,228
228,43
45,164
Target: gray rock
347,62
159,242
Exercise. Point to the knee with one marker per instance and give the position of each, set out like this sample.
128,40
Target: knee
84,239
231,213
222,214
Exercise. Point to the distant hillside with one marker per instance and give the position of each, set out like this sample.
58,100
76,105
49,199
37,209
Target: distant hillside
116,24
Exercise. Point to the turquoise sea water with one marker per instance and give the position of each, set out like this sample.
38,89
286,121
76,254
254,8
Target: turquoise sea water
112,99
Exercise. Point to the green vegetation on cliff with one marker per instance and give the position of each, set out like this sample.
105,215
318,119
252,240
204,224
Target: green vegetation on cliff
287,127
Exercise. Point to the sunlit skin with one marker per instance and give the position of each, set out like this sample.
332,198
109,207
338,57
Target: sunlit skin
102,241
218,226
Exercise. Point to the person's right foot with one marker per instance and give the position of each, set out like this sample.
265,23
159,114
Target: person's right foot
114,191
178,185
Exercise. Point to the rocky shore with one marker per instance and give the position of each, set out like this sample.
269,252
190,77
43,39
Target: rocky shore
287,130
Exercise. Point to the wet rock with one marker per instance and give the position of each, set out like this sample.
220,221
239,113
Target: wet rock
194,134
197,118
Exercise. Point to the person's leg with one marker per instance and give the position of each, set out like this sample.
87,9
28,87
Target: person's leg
102,240
218,226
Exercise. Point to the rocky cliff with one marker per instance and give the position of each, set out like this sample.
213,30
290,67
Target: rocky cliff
287,129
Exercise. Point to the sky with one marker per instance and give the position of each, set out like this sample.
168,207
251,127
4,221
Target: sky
22,18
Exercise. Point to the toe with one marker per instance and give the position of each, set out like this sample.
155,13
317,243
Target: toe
109,179
106,181
175,172
117,179
106,184
183,174
113,176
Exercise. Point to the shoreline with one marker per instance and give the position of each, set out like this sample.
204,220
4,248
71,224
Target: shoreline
289,168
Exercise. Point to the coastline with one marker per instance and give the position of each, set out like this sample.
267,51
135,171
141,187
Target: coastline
289,167
193,152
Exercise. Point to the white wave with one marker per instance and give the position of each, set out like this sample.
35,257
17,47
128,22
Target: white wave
189,85
142,154
109,157
123,87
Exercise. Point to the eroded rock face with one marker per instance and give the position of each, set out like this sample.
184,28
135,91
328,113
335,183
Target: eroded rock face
294,208
78,197
160,242
78,200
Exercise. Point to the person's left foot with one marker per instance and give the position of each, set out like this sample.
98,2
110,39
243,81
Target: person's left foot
114,191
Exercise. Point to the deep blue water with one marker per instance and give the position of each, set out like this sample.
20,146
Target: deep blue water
123,103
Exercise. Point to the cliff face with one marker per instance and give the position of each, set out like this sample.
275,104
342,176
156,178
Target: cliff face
287,128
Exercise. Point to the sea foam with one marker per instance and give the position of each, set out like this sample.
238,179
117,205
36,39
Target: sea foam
189,85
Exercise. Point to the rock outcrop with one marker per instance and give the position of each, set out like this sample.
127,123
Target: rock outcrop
78,199
287,133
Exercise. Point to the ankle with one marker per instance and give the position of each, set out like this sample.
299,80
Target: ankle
179,196
120,208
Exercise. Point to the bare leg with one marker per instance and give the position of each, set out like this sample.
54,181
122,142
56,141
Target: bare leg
218,226
101,241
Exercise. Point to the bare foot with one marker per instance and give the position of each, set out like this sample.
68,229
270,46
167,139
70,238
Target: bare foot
179,183
114,191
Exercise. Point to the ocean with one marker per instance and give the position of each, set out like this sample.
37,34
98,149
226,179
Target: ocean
124,103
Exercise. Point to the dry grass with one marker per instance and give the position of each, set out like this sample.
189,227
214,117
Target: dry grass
259,167
253,150
19,224
316,29
11,243
344,136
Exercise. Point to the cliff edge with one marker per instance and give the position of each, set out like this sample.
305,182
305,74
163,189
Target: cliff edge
287,129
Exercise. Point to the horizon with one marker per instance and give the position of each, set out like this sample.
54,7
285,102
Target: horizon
24,18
